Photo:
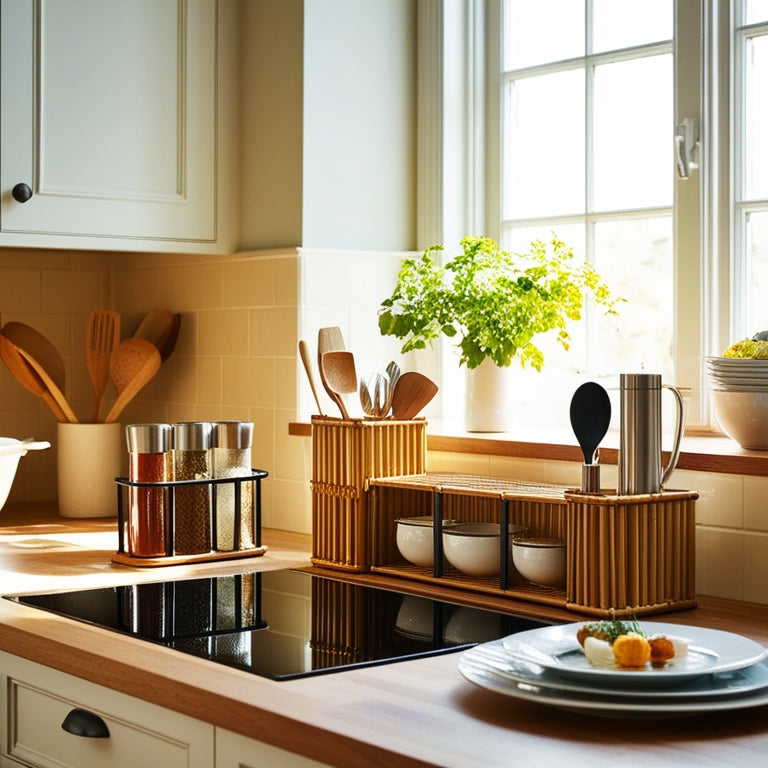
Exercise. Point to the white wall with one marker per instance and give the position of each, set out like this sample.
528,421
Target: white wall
359,124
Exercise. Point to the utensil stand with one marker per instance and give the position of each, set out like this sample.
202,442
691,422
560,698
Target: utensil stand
252,548
346,454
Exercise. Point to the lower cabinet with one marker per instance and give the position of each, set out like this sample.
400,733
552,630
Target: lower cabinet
236,751
49,719
37,701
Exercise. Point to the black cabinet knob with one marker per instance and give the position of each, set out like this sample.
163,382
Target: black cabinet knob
21,192
81,723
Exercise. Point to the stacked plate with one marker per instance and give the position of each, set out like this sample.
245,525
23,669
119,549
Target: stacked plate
721,671
739,391
735,374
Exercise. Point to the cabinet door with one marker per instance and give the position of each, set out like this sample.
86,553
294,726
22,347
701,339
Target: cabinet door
109,116
236,751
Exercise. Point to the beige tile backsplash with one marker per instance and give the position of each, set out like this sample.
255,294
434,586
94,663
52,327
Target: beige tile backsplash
236,358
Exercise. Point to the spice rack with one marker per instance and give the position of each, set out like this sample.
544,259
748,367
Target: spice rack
626,555
219,487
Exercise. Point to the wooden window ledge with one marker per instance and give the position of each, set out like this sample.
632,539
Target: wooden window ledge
701,452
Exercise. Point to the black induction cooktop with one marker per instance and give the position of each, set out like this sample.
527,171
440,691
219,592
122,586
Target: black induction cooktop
283,624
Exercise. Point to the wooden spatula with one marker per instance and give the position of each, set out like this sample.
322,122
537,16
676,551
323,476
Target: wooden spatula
161,327
413,391
102,335
329,340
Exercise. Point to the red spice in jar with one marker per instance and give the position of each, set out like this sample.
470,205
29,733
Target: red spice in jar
146,515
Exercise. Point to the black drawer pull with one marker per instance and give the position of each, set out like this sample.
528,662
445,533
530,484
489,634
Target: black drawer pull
21,192
82,723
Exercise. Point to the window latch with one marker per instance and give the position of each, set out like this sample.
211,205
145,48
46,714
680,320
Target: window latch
687,146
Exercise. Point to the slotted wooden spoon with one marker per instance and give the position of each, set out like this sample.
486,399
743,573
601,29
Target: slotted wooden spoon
133,364
102,335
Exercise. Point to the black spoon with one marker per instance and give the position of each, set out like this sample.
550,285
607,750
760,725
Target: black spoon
590,417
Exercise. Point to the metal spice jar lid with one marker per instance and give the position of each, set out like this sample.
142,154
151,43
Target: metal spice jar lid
148,438
232,434
192,436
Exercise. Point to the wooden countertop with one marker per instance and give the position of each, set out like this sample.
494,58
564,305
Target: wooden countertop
415,713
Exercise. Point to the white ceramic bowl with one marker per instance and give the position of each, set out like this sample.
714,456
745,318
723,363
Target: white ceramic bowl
11,450
475,548
743,416
415,618
540,560
415,539
471,625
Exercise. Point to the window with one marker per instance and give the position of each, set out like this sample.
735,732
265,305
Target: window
584,101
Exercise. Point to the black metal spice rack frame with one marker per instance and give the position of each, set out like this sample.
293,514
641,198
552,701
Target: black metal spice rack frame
123,555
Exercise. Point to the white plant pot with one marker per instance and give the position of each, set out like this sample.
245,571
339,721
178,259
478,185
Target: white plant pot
490,398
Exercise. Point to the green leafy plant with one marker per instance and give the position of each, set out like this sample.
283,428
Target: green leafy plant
493,301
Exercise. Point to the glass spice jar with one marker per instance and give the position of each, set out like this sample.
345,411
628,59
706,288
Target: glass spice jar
148,462
192,461
231,448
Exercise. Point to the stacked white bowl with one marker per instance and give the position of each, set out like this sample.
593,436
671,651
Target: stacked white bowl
739,396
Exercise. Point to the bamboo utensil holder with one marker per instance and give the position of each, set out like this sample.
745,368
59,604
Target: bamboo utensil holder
626,555
346,454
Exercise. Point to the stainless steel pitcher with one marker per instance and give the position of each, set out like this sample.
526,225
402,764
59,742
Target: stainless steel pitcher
640,469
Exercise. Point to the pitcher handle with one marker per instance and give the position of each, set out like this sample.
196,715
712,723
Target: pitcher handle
679,429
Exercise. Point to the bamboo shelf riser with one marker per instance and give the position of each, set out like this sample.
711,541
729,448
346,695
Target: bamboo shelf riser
626,555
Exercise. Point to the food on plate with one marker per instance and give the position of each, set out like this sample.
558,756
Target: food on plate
662,650
755,348
631,650
608,643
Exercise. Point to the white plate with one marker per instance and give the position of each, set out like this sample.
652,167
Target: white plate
710,651
737,682
474,667
745,363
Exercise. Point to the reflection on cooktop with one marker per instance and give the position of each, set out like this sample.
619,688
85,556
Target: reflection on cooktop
283,624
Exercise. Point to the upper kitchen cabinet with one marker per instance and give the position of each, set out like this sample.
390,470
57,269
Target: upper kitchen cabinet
117,124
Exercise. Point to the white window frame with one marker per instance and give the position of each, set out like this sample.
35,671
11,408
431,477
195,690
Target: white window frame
459,136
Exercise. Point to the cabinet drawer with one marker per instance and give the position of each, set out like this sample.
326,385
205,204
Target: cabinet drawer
39,699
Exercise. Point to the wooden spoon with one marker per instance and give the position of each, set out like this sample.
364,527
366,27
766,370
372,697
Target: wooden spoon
102,335
31,341
26,375
329,340
306,358
161,327
133,364
340,375
413,391
36,379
